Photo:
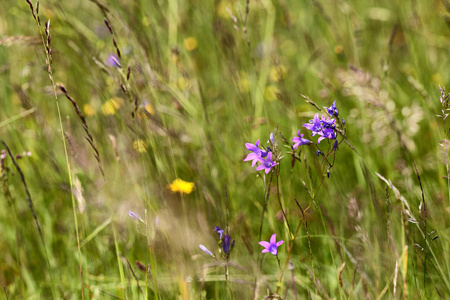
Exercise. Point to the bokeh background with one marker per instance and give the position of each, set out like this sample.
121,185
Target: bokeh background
204,78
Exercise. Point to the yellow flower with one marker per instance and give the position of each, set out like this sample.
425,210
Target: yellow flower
110,107
139,146
190,43
271,93
89,110
278,72
181,186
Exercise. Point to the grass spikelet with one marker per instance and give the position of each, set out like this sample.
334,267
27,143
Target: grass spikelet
89,137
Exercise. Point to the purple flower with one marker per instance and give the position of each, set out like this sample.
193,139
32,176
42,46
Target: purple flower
227,244
332,110
113,61
272,140
323,127
327,133
272,246
256,153
327,123
266,164
219,231
206,250
134,215
314,125
298,141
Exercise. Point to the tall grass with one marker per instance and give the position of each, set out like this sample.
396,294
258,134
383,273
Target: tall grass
189,84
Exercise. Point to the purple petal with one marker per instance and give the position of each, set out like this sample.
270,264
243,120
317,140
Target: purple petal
273,239
267,170
265,251
251,147
250,156
269,156
254,162
264,244
260,167
308,126
257,144
274,251
280,243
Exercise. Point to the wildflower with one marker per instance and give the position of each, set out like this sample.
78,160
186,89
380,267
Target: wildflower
257,153
272,140
134,215
110,107
327,133
89,110
206,250
335,145
181,186
219,231
113,61
227,244
190,43
298,141
140,146
332,110
318,152
266,164
272,246
323,127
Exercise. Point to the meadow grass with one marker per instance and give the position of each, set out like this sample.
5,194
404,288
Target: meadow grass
105,104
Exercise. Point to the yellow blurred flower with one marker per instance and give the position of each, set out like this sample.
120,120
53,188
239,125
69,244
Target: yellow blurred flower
181,186
221,9
278,72
139,146
190,43
183,83
89,110
149,108
271,93
110,107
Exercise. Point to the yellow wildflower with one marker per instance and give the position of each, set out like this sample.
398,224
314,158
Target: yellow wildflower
190,43
139,146
89,110
181,186
110,107
278,73
271,93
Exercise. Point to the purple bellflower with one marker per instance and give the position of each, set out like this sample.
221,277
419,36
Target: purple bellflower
271,247
314,125
298,141
219,231
323,127
266,164
332,110
204,249
256,153
227,244
134,215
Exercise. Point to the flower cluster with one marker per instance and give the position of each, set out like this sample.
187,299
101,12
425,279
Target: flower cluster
258,155
324,127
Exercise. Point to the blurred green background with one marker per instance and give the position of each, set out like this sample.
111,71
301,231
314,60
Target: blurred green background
205,78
